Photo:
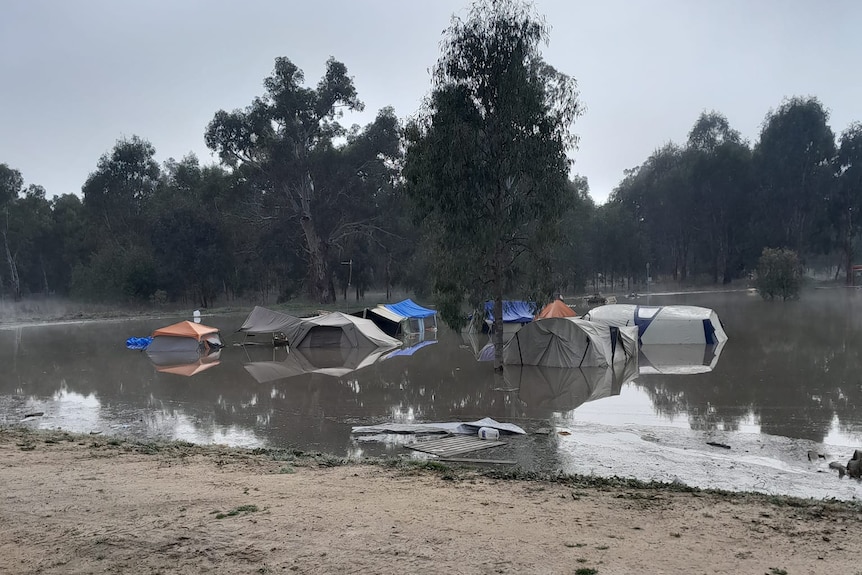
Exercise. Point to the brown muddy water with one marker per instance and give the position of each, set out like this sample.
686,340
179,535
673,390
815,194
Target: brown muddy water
788,381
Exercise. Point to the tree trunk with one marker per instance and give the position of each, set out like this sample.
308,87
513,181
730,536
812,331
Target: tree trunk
498,308
13,269
320,285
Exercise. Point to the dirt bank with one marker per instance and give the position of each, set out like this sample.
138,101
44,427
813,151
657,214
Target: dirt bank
90,504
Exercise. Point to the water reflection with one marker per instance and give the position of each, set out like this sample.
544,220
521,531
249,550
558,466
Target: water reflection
186,363
781,373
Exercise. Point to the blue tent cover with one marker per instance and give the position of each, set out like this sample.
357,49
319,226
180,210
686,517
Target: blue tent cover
409,308
513,311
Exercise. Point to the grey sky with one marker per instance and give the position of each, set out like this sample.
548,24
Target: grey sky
76,76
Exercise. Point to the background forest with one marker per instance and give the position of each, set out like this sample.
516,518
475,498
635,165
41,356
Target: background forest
301,205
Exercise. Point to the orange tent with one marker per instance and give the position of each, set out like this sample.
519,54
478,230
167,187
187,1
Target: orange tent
186,329
556,309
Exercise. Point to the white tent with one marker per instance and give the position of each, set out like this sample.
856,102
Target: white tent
570,342
674,324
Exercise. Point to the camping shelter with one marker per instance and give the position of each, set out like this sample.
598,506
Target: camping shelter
266,321
670,324
338,329
404,317
570,342
556,308
184,336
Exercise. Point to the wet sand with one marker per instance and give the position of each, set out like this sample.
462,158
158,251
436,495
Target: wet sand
94,504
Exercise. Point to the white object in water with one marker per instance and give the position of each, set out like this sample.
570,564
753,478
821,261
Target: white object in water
197,315
488,433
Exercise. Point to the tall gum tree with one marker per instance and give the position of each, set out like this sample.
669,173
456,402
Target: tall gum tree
280,134
486,160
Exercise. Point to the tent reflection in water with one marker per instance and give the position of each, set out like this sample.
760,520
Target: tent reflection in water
684,359
550,389
331,361
334,329
185,348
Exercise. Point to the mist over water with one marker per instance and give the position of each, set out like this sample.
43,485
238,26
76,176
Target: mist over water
786,382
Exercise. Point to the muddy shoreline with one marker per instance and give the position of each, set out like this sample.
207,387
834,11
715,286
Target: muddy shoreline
96,504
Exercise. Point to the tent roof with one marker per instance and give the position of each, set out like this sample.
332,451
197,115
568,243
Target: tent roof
409,308
186,329
556,308
262,320
513,311
373,334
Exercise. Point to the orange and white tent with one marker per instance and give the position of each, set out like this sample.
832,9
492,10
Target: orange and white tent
556,308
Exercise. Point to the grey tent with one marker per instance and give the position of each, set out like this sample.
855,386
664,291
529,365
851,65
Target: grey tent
570,342
334,329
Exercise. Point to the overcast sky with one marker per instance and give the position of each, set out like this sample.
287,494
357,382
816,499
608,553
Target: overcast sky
76,76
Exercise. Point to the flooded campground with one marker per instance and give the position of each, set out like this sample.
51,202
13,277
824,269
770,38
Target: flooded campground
746,416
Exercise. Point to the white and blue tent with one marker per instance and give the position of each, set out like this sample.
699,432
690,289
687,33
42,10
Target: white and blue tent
670,324
405,317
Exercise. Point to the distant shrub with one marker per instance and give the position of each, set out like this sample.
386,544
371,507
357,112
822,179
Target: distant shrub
779,274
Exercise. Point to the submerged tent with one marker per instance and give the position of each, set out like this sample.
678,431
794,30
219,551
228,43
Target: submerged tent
334,362
556,308
406,317
671,324
334,329
265,321
337,329
184,336
570,342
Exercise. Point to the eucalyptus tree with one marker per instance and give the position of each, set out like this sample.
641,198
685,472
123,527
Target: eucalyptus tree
720,180
283,136
11,183
794,161
486,161
846,202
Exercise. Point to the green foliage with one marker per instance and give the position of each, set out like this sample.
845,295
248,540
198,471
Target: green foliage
778,274
486,166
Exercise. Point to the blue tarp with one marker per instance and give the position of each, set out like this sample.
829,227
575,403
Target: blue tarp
409,308
513,311
138,342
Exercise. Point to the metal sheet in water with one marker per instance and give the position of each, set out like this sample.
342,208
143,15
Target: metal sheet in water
451,446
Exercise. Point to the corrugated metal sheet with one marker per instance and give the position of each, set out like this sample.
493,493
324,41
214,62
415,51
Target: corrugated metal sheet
455,445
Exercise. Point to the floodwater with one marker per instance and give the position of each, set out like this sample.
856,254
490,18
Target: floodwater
788,381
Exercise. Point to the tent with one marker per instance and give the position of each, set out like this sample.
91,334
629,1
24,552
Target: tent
570,342
520,312
184,336
681,359
407,317
334,329
337,329
334,362
266,321
556,308
671,324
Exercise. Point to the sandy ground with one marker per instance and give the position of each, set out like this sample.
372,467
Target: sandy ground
92,504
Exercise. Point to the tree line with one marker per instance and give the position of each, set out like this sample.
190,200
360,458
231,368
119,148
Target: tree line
470,200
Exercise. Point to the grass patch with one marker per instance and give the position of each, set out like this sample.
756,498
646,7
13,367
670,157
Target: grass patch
287,469
586,571
243,509
777,571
